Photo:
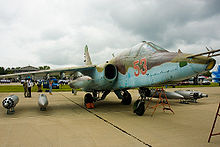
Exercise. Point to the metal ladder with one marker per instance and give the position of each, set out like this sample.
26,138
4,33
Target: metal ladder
161,101
213,126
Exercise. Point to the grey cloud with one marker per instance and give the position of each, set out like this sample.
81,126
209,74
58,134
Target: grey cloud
55,33
155,20
52,34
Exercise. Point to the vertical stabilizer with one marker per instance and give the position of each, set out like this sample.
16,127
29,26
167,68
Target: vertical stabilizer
87,58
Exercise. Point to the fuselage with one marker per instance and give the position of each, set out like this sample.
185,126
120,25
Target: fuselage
144,65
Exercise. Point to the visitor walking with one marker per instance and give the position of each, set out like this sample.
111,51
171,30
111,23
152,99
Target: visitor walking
29,84
25,88
50,86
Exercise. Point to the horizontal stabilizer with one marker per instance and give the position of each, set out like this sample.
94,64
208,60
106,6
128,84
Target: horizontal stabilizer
210,53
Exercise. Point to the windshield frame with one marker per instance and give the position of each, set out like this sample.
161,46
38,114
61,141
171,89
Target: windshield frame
156,47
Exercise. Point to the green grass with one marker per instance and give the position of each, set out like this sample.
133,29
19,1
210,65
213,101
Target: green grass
19,88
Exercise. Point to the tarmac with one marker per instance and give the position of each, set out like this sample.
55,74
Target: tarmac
67,123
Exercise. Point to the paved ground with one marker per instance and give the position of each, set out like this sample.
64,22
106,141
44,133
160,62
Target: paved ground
67,123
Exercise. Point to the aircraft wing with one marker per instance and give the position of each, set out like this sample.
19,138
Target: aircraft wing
68,70
211,53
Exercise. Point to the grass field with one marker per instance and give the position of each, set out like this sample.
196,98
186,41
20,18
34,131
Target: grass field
186,86
19,88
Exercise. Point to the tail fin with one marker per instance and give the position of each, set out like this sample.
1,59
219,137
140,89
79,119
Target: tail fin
87,58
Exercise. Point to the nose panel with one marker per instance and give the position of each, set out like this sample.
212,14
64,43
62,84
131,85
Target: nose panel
200,64
210,64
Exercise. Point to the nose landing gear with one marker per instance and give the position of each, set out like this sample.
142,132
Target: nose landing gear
139,105
89,98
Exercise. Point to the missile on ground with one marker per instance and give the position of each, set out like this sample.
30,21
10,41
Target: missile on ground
9,103
42,102
188,94
169,95
191,95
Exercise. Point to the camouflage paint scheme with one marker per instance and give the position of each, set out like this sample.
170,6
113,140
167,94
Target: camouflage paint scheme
143,65
147,64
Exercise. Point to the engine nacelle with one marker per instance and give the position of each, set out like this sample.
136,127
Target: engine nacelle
10,101
102,80
110,72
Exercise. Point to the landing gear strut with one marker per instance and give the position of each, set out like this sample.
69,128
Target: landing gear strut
126,98
124,95
139,105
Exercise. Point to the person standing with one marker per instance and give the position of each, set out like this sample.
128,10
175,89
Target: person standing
39,86
25,88
29,84
50,86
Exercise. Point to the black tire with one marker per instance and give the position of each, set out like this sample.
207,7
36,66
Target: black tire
140,109
126,98
88,98
135,105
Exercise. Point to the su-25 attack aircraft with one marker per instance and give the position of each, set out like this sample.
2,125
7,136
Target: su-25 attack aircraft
144,65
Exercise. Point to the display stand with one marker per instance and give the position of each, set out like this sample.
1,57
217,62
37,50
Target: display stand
161,101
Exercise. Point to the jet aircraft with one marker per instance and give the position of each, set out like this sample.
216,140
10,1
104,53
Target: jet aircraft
216,75
144,65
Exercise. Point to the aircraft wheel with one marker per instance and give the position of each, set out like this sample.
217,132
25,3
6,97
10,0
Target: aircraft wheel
88,101
88,98
140,107
126,98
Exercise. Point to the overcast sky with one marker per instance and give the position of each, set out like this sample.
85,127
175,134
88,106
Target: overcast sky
54,32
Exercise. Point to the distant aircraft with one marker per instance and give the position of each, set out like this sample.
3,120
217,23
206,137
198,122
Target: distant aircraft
144,65
216,75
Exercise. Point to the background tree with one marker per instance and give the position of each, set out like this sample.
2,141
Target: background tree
44,67
9,70
2,70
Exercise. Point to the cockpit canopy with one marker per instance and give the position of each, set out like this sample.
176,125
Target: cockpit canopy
143,48
147,47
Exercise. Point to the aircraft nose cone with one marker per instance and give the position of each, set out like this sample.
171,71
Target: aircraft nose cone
210,64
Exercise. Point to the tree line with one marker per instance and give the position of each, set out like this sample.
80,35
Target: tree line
11,70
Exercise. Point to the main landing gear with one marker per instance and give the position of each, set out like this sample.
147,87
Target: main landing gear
139,105
126,98
89,98
124,95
